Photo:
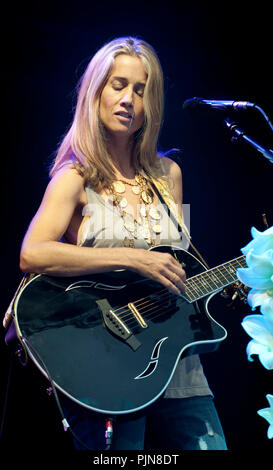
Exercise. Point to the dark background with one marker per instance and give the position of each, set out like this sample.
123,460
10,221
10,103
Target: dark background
212,51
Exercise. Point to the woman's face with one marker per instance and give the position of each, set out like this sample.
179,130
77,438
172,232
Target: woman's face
121,103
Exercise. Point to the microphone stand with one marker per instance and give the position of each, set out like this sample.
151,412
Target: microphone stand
238,134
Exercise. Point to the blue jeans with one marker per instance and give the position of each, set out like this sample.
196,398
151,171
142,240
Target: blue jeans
170,423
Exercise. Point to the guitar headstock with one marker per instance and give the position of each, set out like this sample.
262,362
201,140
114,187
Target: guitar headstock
235,291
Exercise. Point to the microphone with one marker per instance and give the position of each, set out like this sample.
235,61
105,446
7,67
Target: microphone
222,105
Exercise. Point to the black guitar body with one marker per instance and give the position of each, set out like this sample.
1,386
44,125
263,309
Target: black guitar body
97,350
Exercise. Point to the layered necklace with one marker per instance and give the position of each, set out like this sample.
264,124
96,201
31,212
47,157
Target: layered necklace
147,224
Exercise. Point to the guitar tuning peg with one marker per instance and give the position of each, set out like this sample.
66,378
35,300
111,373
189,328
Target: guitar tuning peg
235,295
234,291
225,293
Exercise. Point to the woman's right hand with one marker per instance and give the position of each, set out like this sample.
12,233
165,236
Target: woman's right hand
161,267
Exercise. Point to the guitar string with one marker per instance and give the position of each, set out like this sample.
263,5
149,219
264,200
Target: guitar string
148,312
160,299
141,303
154,307
152,315
128,313
161,303
165,291
207,274
189,282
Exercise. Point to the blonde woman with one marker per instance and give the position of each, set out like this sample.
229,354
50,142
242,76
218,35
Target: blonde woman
92,220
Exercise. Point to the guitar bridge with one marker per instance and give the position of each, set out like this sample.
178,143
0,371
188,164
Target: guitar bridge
116,325
137,315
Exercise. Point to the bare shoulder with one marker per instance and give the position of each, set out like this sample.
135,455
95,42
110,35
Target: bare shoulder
172,169
66,183
174,175
67,174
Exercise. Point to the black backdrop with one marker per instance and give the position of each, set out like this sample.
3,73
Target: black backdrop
208,50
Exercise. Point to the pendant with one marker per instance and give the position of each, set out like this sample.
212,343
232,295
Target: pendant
123,202
147,196
139,179
154,213
116,199
136,189
119,187
143,211
144,232
129,225
157,228
146,229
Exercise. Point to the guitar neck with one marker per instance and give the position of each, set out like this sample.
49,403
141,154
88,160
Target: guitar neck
213,279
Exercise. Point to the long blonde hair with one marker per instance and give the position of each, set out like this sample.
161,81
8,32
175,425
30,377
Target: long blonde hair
85,142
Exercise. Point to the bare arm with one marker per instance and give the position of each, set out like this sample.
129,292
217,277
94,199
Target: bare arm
42,252
41,249
174,174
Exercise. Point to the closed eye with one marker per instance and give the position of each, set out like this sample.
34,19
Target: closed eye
118,83
140,90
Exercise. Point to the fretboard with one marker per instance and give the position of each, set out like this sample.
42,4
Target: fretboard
213,279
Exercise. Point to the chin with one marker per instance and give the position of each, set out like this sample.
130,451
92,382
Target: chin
120,131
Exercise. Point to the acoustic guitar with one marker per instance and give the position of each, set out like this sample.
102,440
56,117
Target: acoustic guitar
111,342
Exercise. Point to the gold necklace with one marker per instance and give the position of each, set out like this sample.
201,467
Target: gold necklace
148,225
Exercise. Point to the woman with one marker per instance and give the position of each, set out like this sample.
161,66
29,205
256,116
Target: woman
101,212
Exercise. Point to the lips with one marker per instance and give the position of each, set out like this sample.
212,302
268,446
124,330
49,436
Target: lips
124,114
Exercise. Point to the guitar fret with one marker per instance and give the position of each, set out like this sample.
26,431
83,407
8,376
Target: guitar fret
192,287
221,275
188,294
200,288
206,284
213,279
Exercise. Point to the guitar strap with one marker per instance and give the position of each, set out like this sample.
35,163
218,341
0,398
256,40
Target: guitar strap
165,196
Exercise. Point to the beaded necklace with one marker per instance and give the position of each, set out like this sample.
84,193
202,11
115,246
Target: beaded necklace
147,225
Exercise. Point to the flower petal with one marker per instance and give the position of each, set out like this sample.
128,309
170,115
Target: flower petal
262,263
256,327
270,432
264,352
269,398
266,359
267,310
267,413
257,297
250,278
262,241
254,347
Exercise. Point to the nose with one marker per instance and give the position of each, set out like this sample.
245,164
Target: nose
127,98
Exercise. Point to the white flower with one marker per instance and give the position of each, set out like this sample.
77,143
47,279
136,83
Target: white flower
260,328
263,298
267,413
259,276
259,273
262,241
259,259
